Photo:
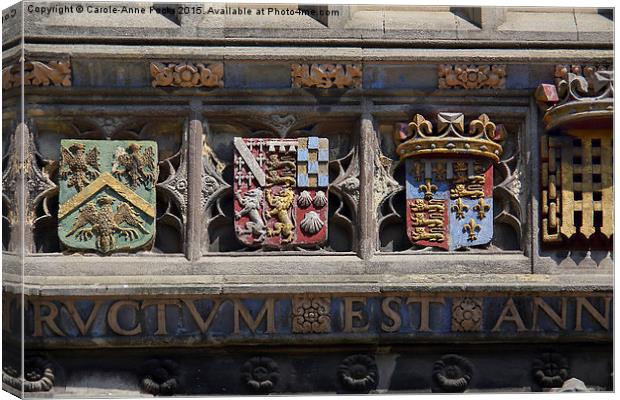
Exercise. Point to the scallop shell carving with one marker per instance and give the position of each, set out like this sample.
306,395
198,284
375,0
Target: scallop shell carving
320,200
304,199
312,223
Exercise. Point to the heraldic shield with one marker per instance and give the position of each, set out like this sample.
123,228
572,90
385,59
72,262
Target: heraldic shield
281,191
449,180
107,195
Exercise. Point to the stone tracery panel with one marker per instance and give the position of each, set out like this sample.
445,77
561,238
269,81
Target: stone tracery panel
226,214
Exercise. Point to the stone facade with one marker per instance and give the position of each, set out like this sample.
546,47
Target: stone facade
212,199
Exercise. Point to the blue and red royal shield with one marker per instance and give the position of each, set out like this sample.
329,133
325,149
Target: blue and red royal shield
280,191
449,202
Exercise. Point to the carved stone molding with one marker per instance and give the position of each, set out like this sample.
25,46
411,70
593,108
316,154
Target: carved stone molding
37,73
187,75
471,76
326,76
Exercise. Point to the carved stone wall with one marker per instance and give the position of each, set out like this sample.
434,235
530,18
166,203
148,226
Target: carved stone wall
371,198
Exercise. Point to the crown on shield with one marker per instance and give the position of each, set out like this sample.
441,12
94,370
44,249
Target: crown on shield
419,139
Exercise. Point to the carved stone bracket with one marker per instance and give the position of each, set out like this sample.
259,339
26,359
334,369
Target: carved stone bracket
471,76
37,73
188,75
326,76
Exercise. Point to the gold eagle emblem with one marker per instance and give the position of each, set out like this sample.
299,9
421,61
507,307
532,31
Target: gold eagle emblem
77,167
105,222
137,166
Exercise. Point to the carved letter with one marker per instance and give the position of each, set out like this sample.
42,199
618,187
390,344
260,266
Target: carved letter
161,313
582,302
539,303
48,319
266,312
113,318
203,325
77,319
391,314
425,303
512,317
349,314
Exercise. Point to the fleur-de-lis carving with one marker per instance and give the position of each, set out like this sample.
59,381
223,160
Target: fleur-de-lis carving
439,170
471,228
482,124
459,208
418,171
419,126
428,189
481,208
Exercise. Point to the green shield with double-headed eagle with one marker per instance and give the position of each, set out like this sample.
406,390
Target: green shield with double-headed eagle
107,195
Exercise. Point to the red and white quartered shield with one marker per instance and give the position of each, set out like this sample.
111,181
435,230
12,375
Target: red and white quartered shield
280,191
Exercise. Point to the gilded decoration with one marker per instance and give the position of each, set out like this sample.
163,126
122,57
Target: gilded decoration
326,76
107,195
280,191
37,73
466,314
577,157
463,76
188,75
449,179
311,314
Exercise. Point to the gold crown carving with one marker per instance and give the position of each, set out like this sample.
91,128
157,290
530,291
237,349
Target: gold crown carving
417,139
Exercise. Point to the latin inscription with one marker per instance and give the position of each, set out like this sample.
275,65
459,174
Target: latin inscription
221,317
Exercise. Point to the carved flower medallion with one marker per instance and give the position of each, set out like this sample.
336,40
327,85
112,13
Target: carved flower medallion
550,370
311,315
467,315
159,377
358,373
260,374
452,374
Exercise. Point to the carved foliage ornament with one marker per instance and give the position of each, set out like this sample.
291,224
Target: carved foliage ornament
449,179
311,315
280,188
550,370
472,76
467,314
107,194
159,377
38,377
188,75
326,76
37,73
452,374
358,373
260,374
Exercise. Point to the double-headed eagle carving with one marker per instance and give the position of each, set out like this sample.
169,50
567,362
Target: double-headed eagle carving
105,222
78,167
138,167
